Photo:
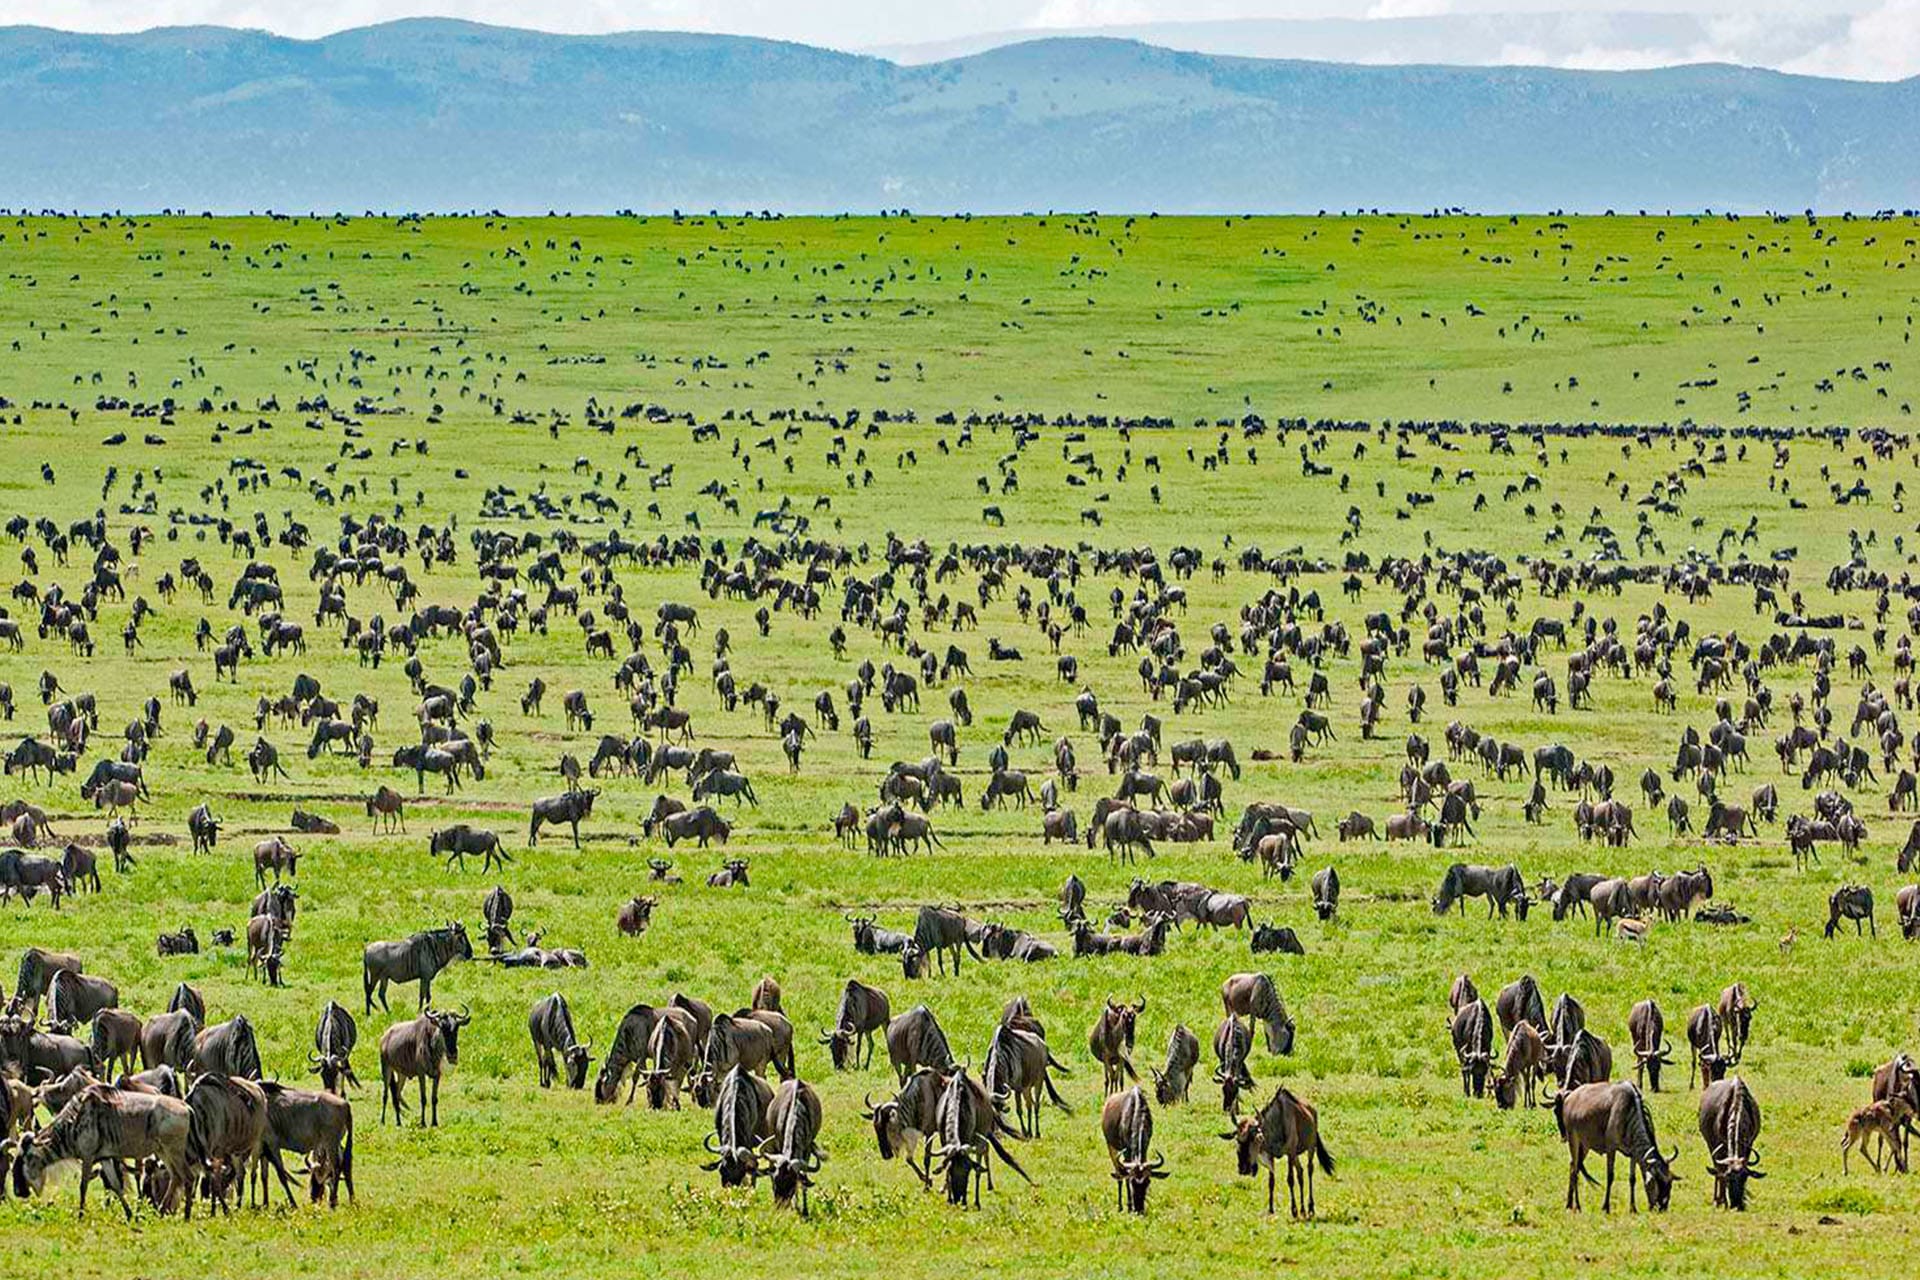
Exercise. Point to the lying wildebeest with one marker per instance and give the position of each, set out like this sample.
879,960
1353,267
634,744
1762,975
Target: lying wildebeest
1281,938
635,915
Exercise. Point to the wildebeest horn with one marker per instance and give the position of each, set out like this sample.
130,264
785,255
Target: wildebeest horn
1230,1135
1140,1005
1159,1160
826,1037
869,1110
711,1144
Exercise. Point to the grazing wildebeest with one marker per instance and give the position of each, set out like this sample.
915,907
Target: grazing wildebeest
1612,1118
863,1010
699,825
1170,1083
1850,902
1736,1014
1126,1122
416,958
1326,892
968,1127
275,855
334,1037
318,1126
227,1134
793,1124
1525,1064
740,1127
570,808
1520,1001
938,931
550,1025
1254,997
418,1050
1500,886
1288,1127
1729,1123
107,1126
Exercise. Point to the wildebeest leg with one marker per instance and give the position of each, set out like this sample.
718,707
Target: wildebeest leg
1606,1201
271,1156
1269,1186
423,1102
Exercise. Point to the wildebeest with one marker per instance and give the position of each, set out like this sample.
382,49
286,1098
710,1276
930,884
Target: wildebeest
793,1133
107,1126
334,1036
863,1011
1611,1118
635,915
228,1048
967,1129
1520,1001
1126,1122
1017,1066
905,1122
1473,1046
939,931
228,1129
701,825
1850,902
1500,886
1171,1082
550,1026
1729,1123
571,807
915,1040
1254,997
1111,1042
740,1126
419,1049
1288,1127
459,841
73,998
37,969
416,958
115,1039
1326,892
318,1125
1736,1015
1646,1029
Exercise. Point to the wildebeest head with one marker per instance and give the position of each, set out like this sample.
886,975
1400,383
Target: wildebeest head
888,1131
913,961
1137,1176
1660,1178
1246,1139
579,1057
450,1024
333,1069
790,1174
1734,1170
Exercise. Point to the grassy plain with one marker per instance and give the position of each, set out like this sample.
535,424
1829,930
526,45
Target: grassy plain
447,330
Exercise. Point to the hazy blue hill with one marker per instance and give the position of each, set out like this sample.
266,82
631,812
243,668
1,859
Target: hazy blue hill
447,115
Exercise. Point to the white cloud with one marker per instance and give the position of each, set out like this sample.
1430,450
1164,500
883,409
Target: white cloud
1409,8
1882,44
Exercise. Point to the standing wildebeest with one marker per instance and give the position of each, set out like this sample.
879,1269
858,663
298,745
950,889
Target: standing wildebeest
1288,1127
570,808
227,1132
107,1126
460,840
793,1134
1170,1083
416,958
1525,1064
1612,1118
1500,886
418,1050
167,1039
908,1120
74,998
334,1036
318,1126
1729,1122
1646,1029
116,1039
79,868
1111,1042
1126,1122
740,1127
863,1011
968,1126
1254,996
1736,1014
37,969
1326,893
1520,1001
1017,1066
275,855
387,807
939,931
228,1048
550,1024
1851,902
915,1040
1473,1046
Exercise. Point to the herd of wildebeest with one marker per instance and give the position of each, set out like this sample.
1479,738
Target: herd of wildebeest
175,1106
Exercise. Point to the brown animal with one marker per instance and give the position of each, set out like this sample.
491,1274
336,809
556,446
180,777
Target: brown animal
1288,1127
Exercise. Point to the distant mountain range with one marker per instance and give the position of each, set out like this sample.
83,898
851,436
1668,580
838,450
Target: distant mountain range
437,115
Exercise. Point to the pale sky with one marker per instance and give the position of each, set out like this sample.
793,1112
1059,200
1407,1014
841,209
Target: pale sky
1875,39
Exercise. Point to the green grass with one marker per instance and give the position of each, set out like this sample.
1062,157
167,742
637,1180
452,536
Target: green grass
828,316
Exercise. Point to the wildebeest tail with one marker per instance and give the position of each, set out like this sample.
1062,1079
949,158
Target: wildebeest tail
1053,1094
993,1140
1560,1114
1323,1155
